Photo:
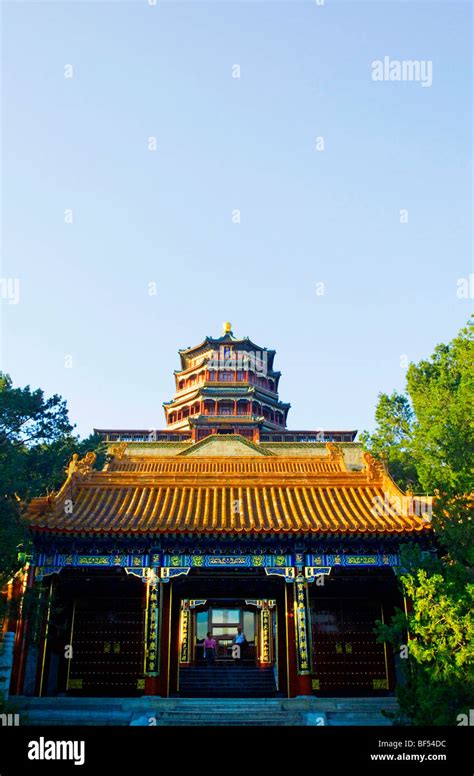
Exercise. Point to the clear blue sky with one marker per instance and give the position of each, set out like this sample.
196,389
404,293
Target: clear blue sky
223,143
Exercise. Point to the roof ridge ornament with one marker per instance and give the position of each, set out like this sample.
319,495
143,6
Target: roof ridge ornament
76,466
80,465
118,451
336,455
374,468
334,451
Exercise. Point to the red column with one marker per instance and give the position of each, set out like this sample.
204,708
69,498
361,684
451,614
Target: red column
41,672
303,685
290,640
174,643
165,636
22,633
11,623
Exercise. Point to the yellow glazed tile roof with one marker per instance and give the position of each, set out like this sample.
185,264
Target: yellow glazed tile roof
238,495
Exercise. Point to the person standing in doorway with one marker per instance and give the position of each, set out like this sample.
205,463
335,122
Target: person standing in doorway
210,647
238,646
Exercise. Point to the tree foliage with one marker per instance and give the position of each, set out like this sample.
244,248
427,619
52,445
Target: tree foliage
391,442
36,443
426,438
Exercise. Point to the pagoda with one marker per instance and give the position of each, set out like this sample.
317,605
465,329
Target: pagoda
226,385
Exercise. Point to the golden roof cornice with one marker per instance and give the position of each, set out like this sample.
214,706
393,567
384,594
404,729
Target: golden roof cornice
165,494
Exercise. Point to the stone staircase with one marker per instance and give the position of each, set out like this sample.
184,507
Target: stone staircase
209,712
227,682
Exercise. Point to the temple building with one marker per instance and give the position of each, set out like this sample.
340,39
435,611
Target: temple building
225,519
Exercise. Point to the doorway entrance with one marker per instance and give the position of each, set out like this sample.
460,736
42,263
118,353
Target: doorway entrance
219,601
222,622
253,673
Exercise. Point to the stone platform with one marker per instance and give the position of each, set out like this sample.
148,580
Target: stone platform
155,711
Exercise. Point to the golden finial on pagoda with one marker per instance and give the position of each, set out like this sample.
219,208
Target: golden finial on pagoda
227,327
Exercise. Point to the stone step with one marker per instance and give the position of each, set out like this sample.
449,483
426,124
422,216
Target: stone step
172,718
217,722
225,670
331,704
224,680
237,670
230,682
197,718
361,718
75,717
224,691
200,711
195,680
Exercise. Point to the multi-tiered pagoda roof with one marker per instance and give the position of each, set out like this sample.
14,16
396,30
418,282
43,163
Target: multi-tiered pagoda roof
226,385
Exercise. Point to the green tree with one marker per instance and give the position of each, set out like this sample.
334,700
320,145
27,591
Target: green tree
426,438
441,390
391,441
36,443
